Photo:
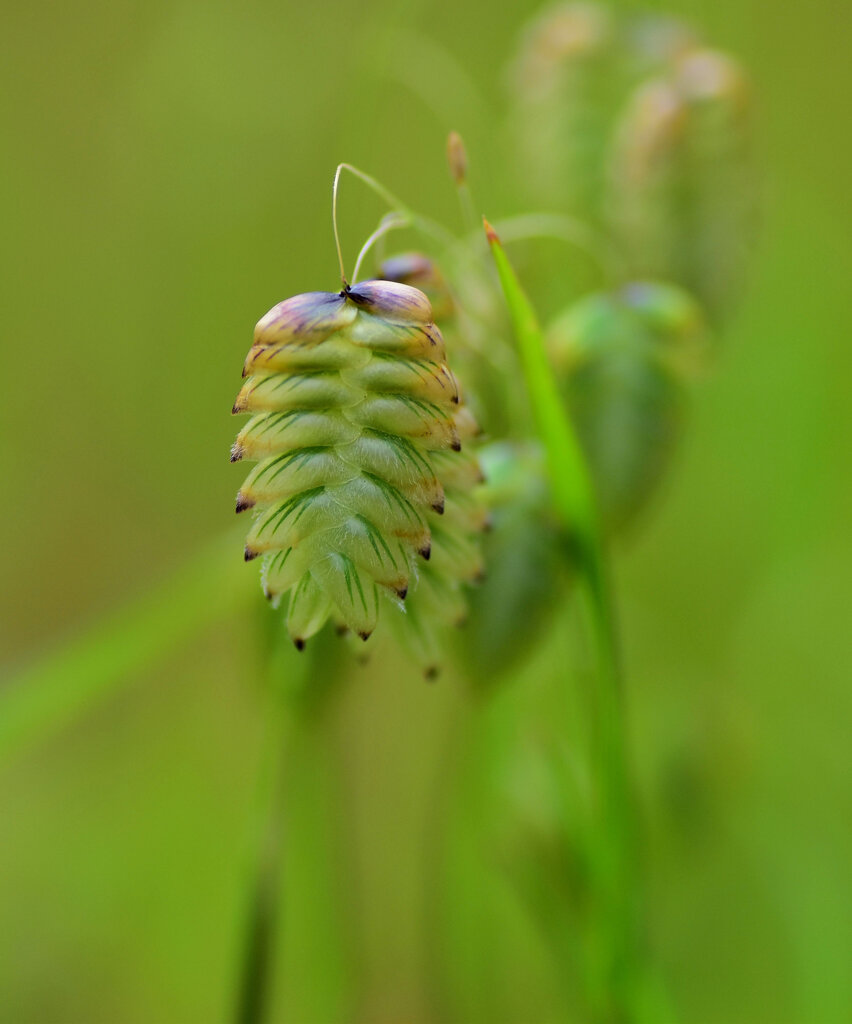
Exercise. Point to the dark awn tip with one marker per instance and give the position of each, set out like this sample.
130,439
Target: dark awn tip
402,593
236,408
298,643
365,635
425,552
438,506
455,444
248,554
431,673
236,453
243,502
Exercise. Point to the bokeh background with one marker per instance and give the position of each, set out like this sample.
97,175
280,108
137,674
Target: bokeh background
165,178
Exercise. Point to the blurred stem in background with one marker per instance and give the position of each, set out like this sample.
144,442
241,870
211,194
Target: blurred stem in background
293,842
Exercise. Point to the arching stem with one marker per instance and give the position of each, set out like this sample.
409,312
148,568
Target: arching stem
423,224
390,222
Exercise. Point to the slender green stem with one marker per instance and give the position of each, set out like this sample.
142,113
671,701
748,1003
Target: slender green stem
467,207
261,927
424,224
255,978
298,688
612,968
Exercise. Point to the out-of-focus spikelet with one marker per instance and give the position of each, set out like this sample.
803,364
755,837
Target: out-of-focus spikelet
622,359
681,189
354,415
575,64
418,271
560,88
440,599
525,554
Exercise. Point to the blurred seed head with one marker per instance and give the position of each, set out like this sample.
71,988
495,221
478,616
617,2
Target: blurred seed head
622,359
418,271
631,124
681,193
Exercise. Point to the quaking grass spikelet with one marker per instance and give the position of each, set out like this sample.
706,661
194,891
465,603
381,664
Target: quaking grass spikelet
440,599
681,178
623,359
353,409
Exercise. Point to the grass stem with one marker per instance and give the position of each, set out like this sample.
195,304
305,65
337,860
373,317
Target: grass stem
612,963
299,687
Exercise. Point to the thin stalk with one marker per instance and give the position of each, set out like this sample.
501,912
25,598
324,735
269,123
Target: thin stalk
390,222
611,979
425,224
299,688
468,210
256,972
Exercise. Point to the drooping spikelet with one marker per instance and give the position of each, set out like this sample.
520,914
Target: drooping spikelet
560,82
681,181
622,359
575,63
353,407
440,599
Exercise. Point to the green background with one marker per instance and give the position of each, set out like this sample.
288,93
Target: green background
165,178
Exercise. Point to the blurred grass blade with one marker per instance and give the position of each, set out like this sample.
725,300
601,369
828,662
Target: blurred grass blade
56,689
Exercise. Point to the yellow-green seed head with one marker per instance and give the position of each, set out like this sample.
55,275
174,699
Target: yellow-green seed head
353,407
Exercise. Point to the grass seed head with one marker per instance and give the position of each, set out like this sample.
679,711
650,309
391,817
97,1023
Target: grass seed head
353,415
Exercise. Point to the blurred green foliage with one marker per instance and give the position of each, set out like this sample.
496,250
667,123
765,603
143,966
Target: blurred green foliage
165,178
